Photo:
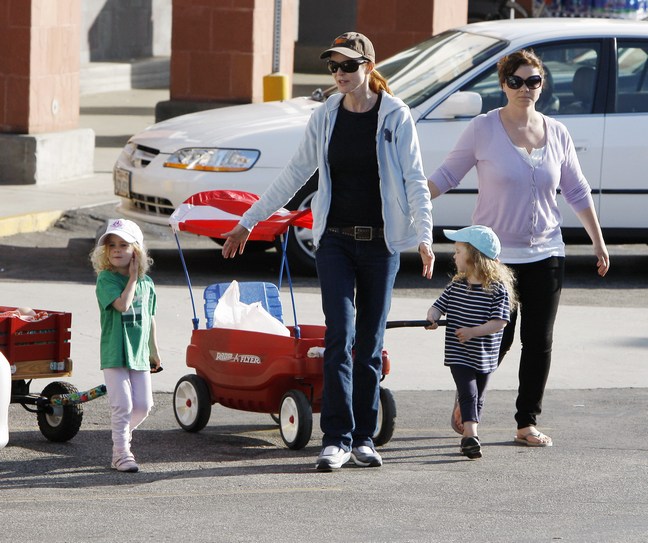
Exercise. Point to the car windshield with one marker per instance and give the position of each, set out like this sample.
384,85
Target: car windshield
420,71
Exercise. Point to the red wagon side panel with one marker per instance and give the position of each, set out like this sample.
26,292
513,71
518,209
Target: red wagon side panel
39,348
251,371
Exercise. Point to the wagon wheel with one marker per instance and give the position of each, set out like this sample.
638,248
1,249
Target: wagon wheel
275,417
386,417
295,419
59,422
192,403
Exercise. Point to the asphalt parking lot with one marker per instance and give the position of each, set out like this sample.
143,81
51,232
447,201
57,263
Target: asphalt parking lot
235,481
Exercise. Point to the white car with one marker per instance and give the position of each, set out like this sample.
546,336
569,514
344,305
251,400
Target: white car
597,85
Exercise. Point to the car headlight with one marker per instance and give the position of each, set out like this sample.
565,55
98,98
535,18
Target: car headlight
213,160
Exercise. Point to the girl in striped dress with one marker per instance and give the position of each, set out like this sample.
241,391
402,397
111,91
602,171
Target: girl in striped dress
477,305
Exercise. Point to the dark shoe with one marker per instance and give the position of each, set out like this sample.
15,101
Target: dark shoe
366,457
471,447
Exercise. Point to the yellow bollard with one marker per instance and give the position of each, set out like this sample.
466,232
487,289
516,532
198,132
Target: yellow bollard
275,87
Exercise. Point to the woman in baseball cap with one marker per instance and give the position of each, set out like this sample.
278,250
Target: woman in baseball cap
372,202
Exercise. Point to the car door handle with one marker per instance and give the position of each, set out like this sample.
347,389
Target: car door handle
581,149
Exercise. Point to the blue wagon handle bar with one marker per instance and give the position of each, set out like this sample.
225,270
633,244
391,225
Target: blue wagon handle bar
413,324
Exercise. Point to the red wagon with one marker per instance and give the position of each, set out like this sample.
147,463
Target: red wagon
39,347
250,370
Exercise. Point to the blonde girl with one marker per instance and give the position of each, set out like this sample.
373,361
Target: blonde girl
477,304
129,348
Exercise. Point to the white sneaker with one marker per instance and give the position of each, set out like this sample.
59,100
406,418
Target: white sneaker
125,463
366,457
332,457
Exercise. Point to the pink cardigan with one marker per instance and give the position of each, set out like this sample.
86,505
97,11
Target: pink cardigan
515,199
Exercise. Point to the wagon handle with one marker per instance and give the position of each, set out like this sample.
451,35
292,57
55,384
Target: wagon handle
284,266
195,320
412,324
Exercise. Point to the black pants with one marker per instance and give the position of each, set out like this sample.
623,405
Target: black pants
539,285
471,391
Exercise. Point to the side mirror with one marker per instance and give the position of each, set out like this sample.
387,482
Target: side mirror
459,104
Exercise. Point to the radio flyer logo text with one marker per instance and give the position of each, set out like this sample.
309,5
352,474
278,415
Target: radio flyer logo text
235,357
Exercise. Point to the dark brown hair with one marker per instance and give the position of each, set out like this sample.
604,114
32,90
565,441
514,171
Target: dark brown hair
509,64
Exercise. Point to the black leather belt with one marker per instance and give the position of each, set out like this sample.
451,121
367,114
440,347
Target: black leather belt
359,233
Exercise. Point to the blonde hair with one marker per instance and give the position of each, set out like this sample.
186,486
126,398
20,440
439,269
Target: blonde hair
489,272
100,262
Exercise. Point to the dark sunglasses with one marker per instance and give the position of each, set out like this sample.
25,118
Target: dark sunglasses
515,82
348,66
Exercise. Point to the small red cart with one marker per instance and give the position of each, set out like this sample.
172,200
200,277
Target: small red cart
249,370
35,349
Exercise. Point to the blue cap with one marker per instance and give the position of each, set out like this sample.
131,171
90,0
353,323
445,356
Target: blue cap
480,237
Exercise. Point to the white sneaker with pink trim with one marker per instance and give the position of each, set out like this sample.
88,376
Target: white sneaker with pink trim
125,463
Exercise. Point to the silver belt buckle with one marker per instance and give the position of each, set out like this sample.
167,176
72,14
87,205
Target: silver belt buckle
363,233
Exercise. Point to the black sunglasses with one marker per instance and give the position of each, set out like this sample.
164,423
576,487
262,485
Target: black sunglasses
348,66
515,82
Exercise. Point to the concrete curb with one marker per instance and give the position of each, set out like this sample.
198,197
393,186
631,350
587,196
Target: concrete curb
29,222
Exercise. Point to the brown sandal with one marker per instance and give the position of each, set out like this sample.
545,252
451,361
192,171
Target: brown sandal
456,426
541,440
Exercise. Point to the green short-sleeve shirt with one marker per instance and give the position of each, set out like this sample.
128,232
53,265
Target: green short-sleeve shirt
125,336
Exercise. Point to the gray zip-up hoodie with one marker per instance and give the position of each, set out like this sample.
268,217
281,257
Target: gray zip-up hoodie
407,208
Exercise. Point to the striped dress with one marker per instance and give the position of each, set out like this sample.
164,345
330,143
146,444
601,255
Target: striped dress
465,306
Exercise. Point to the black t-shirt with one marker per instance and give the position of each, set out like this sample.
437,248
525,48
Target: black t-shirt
355,192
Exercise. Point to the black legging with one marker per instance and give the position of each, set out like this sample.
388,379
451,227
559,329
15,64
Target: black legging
539,285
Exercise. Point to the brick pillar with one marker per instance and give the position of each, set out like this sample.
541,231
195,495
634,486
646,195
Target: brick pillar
39,93
398,24
222,49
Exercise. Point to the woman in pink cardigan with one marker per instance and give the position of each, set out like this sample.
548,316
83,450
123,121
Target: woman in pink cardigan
522,158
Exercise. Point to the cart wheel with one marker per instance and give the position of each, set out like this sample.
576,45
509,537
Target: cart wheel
386,417
275,417
295,419
192,403
64,421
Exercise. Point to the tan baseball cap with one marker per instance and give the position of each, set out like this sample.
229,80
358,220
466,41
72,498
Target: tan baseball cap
352,45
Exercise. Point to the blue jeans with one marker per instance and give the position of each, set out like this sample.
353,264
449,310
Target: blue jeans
356,279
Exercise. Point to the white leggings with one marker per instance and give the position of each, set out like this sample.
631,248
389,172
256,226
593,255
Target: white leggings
131,399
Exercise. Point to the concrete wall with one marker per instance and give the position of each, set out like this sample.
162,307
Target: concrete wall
125,29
